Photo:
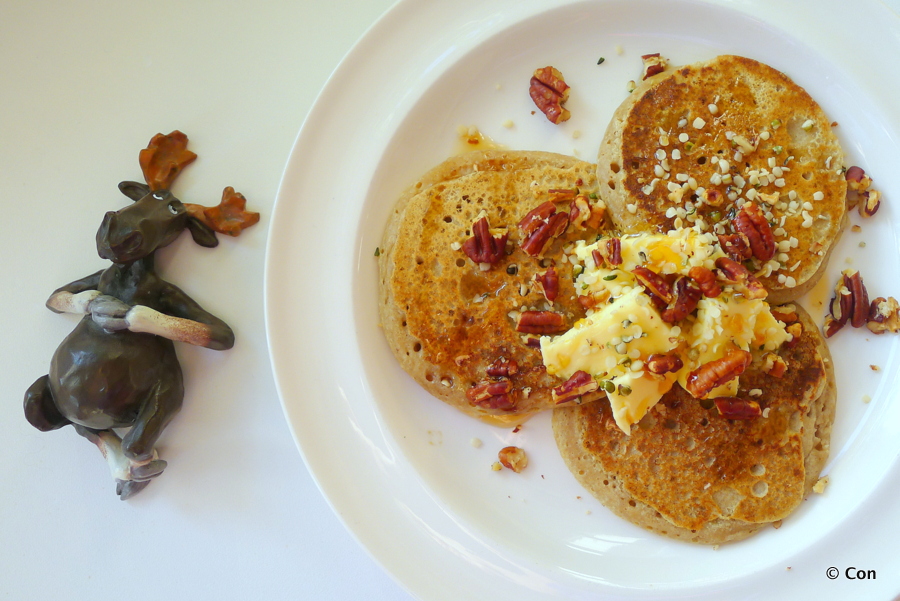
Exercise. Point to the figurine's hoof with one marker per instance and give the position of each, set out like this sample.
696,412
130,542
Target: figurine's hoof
128,488
147,471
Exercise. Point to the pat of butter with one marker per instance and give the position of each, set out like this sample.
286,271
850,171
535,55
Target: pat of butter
644,392
623,329
675,252
611,345
725,321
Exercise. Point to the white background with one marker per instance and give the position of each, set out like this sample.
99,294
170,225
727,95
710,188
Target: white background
83,87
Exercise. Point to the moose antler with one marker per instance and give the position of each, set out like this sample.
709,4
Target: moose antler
164,158
229,217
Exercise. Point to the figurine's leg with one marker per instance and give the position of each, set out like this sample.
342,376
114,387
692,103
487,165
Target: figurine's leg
131,477
157,411
40,410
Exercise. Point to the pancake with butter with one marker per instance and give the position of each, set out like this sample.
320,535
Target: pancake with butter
452,322
693,145
687,472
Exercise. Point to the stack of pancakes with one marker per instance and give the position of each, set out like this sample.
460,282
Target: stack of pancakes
688,148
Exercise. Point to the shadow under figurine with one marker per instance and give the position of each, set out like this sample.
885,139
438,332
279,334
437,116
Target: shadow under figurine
118,369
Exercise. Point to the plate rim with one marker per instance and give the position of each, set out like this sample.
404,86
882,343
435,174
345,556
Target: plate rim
404,9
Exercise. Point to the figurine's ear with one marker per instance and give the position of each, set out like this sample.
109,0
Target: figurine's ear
202,233
134,190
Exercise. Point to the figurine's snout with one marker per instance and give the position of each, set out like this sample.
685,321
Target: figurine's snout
116,241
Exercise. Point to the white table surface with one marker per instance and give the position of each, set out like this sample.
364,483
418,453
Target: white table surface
83,87
236,515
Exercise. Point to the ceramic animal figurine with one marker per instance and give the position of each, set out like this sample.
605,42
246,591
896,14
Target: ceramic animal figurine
118,369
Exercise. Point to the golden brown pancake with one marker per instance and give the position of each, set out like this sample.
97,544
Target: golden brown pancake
682,129
446,319
688,473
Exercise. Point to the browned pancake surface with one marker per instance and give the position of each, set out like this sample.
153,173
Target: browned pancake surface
752,101
445,319
688,473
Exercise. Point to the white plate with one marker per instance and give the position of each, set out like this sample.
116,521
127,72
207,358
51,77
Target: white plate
397,465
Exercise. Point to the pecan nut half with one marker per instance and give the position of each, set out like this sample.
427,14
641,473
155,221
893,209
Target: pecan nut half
858,309
751,222
540,226
549,91
579,384
536,217
482,247
540,322
737,408
709,376
884,315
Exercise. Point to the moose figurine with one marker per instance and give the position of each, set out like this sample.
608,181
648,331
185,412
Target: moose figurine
118,369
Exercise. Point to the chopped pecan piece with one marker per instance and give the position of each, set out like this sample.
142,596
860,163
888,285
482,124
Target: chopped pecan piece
884,315
491,395
580,211
706,280
713,198
653,282
786,314
709,376
751,222
482,247
540,226
579,384
774,365
611,250
653,64
503,367
513,458
736,408
663,364
841,305
540,322
561,194
738,276
869,202
687,295
532,342
736,246
796,331
831,327
857,180
549,91
547,283
536,217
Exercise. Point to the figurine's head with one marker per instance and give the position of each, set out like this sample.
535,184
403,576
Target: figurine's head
154,220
